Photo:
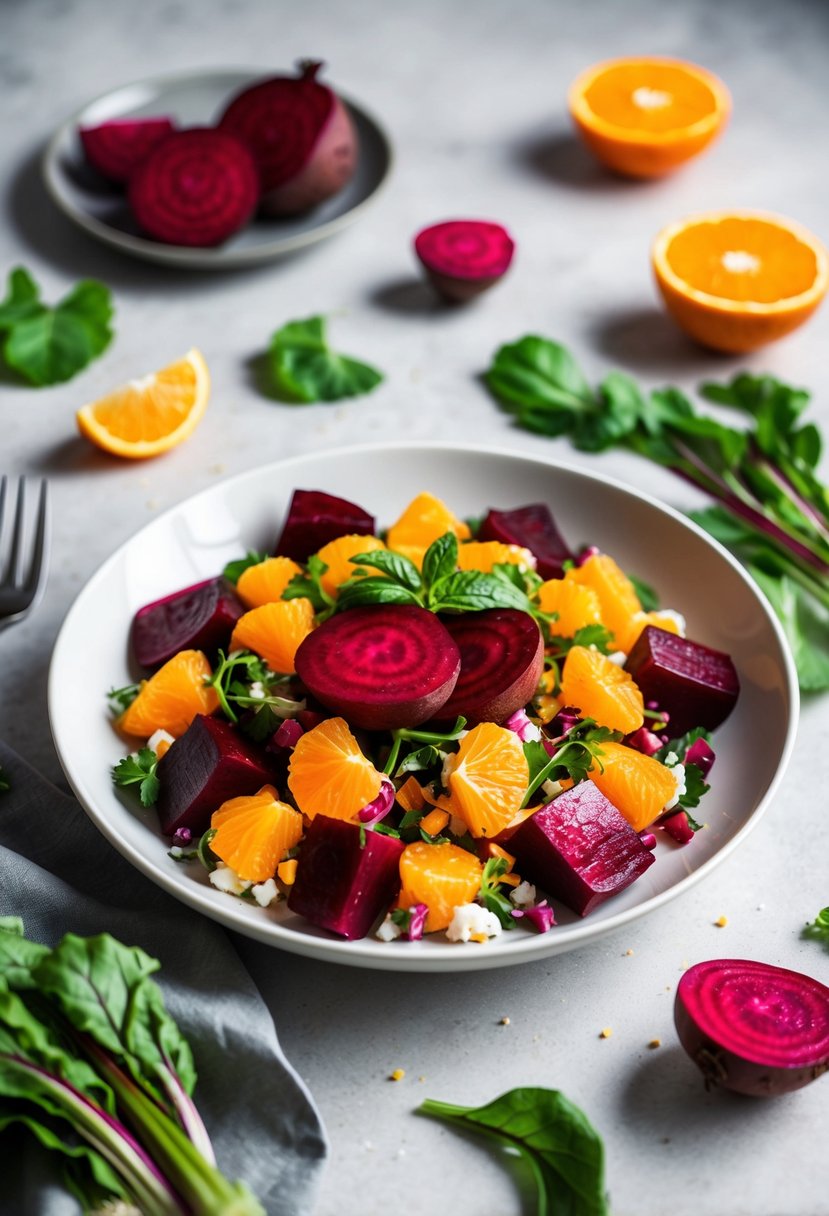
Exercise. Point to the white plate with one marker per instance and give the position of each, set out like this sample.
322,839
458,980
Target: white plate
195,539
195,99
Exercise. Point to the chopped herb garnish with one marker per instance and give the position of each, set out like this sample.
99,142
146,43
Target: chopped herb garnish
234,570
121,698
139,769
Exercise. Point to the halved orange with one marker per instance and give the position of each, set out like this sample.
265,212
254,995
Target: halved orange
265,582
328,773
274,631
645,117
423,521
601,690
442,876
618,601
254,833
172,697
488,779
148,416
574,605
337,555
735,280
636,784
483,555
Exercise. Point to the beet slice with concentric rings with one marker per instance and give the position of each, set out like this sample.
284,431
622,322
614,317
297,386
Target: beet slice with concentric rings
462,258
116,148
752,1027
382,666
197,187
502,658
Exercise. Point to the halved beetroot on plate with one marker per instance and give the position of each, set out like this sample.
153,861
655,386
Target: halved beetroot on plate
115,148
314,518
200,617
532,527
502,658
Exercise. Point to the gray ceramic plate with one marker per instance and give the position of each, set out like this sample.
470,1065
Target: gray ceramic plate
194,98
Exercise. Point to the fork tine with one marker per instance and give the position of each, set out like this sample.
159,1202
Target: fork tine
39,539
3,483
13,574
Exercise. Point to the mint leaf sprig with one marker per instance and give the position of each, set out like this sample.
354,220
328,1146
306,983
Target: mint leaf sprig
234,570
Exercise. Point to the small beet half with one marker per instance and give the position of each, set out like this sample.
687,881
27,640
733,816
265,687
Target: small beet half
382,667
752,1027
116,148
196,187
314,518
502,658
462,258
532,527
200,617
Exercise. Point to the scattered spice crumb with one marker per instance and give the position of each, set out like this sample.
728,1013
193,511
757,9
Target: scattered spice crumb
398,1074
667,987
666,1139
421,1078
761,907
721,922
152,504
684,965
628,953
655,1043
504,1021
216,470
606,1033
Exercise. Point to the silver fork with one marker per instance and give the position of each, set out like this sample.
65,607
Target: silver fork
24,557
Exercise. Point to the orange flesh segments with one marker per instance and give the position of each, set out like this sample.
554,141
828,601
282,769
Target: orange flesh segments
442,876
602,690
636,784
171,698
488,778
328,773
265,582
274,631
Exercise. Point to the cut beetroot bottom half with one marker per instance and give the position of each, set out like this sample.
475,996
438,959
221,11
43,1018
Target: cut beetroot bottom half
382,667
462,258
196,187
314,518
753,1028
694,685
116,148
200,617
502,658
532,527
346,877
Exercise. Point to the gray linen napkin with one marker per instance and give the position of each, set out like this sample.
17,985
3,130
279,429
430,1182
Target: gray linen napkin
60,875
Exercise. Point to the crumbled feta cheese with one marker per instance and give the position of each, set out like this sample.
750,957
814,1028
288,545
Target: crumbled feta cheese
388,931
176,851
524,895
471,921
677,618
677,771
265,893
618,657
449,765
551,788
159,736
531,733
257,690
226,879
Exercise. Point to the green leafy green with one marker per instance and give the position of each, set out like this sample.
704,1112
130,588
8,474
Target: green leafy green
305,368
139,769
309,586
695,784
48,345
574,758
491,892
234,570
121,698
562,1149
260,693
818,929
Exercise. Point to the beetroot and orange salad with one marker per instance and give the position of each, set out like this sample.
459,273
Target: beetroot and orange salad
446,728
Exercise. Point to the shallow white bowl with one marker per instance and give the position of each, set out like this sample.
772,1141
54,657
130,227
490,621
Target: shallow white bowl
194,540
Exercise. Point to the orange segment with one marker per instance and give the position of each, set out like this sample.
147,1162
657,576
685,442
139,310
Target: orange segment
484,554
423,521
638,622
274,631
488,779
442,876
618,601
265,582
253,834
329,775
645,117
150,415
337,555
636,784
410,795
172,697
601,690
575,606
737,280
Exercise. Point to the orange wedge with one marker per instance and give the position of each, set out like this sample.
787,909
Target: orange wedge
442,876
172,697
618,601
646,117
484,555
488,779
274,631
575,606
254,833
148,416
636,784
735,280
328,773
265,582
337,555
601,690
423,521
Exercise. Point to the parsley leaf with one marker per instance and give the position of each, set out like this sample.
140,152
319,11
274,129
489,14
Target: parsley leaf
234,570
309,586
305,369
139,769
491,895
51,345
121,698
818,929
575,757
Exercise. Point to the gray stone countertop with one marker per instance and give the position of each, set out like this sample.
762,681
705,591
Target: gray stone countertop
473,98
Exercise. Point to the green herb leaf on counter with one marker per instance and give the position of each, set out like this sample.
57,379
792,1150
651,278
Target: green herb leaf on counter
139,769
305,369
818,929
48,345
562,1149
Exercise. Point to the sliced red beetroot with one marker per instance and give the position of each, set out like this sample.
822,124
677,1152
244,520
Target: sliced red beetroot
694,685
314,518
579,849
346,877
462,258
382,667
532,527
196,187
301,137
200,617
208,764
116,148
751,1027
502,658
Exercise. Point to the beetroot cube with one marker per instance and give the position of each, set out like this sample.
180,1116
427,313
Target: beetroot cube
579,849
532,527
208,764
200,617
695,685
346,876
314,518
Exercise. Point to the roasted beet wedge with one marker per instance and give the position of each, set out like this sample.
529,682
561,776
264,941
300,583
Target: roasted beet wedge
579,849
346,877
382,667
200,617
534,528
314,518
115,148
502,658
208,764
696,686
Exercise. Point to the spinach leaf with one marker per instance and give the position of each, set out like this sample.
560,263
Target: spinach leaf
305,369
51,345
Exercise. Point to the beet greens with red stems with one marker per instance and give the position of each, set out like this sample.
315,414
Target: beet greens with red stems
772,508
